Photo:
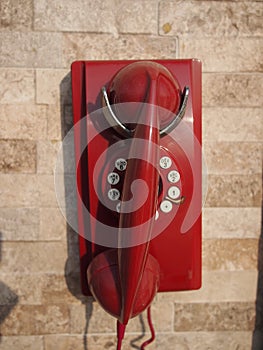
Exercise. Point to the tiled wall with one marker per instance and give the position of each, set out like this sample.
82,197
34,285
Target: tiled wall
41,305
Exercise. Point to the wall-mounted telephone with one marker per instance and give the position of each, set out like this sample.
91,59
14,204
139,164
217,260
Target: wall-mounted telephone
138,166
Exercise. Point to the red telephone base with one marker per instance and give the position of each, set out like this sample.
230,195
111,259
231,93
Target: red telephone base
178,254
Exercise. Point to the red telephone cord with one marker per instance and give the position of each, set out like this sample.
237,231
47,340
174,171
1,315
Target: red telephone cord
121,330
149,341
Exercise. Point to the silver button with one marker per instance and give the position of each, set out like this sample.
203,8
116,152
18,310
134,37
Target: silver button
165,162
166,206
121,164
113,178
174,192
114,194
173,176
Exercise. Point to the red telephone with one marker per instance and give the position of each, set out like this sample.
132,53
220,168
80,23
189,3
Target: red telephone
137,128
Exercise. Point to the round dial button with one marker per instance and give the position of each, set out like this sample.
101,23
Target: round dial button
166,206
173,176
174,192
114,194
113,178
121,164
165,162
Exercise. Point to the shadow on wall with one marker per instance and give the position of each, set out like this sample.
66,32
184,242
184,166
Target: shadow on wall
72,269
8,298
258,332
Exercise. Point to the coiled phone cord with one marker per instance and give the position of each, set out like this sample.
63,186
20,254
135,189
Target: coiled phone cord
121,330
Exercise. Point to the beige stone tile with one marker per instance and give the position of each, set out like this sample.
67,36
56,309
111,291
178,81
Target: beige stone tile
232,90
219,286
19,190
46,191
137,17
58,289
19,224
60,120
230,254
107,47
234,191
94,316
37,319
232,124
17,86
16,15
214,317
33,257
17,156
231,223
94,342
24,287
53,225
53,86
27,122
204,340
216,54
37,49
27,190
206,18
90,16
47,156
22,342
233,158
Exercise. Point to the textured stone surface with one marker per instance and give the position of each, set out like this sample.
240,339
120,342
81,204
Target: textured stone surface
47,256
61,15
52,225
234,191
235,286
232,90
16,14
22,343
47,156
137,17
19,224
233,157
230,254
37,319
231,222
215,54
53,86
108,47
232,124
214,317
211,18
16,86
27,190
38,49
204,341
17,156
27,122
24,286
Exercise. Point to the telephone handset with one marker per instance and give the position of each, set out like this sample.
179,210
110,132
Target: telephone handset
139,180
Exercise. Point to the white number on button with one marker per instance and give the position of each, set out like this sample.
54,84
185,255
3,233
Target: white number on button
174,192
113,178
121,164
166,206
165,162
114,194
173,176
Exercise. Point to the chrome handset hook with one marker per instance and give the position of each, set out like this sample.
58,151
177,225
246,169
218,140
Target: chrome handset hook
126,132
